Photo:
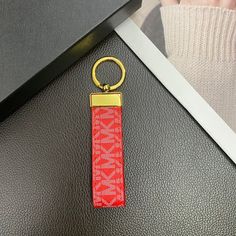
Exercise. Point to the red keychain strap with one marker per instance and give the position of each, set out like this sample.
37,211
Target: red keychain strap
107,157
108,185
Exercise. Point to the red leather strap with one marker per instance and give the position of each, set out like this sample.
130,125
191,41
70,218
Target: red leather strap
107,157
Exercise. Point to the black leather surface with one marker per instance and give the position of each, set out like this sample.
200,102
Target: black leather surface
41,39
178,182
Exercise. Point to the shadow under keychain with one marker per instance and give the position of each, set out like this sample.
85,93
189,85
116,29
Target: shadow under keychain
108,185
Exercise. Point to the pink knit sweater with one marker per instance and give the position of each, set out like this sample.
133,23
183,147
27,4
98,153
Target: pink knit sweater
201,43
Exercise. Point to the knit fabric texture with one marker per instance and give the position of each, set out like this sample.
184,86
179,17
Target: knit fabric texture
201,44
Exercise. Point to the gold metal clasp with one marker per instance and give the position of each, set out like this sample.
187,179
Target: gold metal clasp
107,98
107,87
113,99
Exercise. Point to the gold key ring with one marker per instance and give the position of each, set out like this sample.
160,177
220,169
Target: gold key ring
107,87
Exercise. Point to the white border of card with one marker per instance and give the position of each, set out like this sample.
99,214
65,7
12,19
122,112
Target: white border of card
178,86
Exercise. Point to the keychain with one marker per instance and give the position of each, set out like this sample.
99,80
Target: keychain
108,185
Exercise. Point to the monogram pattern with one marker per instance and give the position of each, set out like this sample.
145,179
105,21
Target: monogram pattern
107,157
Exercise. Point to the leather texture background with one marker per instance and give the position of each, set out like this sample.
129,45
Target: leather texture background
178,181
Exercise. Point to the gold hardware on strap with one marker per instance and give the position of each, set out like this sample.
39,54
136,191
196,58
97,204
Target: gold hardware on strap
107,87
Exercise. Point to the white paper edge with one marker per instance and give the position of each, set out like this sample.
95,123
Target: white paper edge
178,86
